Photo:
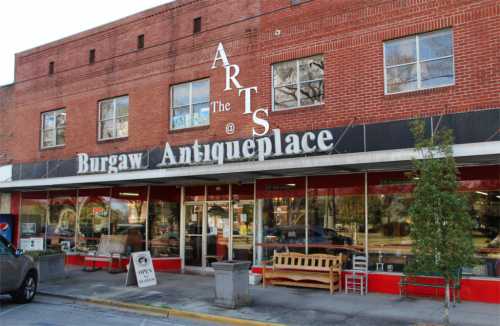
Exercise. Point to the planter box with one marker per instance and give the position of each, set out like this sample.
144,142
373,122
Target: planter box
50,267
231,284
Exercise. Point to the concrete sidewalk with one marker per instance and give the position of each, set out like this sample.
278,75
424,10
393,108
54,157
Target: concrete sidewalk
291,306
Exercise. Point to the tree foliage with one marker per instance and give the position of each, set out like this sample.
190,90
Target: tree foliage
441,225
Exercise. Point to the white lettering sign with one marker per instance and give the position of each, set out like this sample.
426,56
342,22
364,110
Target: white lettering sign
109,164
259,149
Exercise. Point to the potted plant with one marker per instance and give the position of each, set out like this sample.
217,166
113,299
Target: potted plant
50,263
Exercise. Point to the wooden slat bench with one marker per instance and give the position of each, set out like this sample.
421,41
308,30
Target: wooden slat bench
313,271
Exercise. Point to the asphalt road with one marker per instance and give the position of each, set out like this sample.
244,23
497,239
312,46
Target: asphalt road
48,311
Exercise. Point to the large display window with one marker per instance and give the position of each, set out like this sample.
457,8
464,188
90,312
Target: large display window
128,216
33,219
61,223
93,217
336,214
281,216
164,221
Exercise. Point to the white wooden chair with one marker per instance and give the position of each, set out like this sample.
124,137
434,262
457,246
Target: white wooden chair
357,281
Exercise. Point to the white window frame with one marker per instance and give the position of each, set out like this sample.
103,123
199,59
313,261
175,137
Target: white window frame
418,62
191,105
43,129
114,119
297,82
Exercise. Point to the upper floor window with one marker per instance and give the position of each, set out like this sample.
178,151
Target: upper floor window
91,56
190,104
51,67
298,83
419,62
197,25
140,41
53,128
113,118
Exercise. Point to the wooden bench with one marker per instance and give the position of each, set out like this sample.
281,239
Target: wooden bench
424,281
313,271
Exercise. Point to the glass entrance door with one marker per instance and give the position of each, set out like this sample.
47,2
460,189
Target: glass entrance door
243,230
218,232
194,248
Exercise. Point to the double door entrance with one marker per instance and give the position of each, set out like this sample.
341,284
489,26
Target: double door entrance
217,231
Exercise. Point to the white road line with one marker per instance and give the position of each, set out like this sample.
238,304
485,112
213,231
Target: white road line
11,309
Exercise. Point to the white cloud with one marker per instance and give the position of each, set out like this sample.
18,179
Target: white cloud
29,23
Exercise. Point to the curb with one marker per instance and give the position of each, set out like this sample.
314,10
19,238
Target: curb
162,312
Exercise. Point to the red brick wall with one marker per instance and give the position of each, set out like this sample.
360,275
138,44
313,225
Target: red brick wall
349,34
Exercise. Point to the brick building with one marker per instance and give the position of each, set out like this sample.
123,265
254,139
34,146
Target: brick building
204,130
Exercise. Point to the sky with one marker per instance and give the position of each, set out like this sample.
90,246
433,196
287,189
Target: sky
26,24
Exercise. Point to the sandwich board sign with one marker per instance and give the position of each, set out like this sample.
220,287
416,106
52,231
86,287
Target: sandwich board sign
141,271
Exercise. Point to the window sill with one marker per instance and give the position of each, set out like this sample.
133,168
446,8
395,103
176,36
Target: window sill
112,140
305,108
417,92
175,131
52,148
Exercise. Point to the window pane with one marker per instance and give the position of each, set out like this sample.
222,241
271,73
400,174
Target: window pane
201,114
33,215
93,220
201,91
49,120
285,73
435,45
181,95
106,110
284,225
60,137
389,230
122,127
180,118
285,97
164,235
61,220
61,119
107,129
311,68
48,138
402,78
311,93
122,106
400,52
437,72
128,221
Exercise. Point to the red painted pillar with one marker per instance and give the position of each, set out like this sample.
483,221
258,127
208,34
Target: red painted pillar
15,210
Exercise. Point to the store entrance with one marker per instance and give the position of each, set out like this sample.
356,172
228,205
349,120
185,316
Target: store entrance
208,231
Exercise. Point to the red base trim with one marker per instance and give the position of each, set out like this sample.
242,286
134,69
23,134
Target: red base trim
479,290
160,264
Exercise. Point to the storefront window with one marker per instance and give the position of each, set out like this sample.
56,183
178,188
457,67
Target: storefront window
93,205
485,211
336,214
62,220
34,208
128,216
389,199
164,221
243,213
481,187
281,216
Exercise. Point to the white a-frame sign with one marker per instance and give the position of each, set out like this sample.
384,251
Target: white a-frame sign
141,271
